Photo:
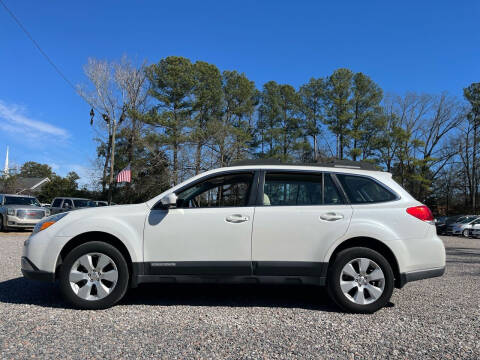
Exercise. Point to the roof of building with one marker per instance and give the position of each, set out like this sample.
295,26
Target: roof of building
24,185
31,183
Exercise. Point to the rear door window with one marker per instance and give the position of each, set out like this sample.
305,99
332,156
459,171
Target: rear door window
361,189
299,189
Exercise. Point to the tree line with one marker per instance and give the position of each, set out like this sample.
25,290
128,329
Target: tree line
176,118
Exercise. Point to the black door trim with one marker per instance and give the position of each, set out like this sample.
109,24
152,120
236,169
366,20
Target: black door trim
290,268
198,268
261,268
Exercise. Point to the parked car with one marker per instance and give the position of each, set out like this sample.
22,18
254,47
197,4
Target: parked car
62,204
461,225
475,232
355,231
20,212
474,226
441,224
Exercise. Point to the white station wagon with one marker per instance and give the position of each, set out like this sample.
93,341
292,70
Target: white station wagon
353,230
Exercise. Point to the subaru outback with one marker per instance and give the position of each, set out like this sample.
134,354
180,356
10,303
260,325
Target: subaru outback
355,231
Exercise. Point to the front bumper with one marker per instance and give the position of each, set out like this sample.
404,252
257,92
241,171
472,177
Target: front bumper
455,232
30,271
420,275
15,222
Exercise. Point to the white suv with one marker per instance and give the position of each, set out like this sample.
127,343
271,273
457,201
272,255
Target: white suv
356,231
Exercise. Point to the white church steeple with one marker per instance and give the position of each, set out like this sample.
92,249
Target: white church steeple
6,170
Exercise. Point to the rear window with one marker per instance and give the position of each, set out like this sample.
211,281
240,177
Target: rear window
361,190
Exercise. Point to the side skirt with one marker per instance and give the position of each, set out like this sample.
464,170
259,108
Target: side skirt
192,279
230,272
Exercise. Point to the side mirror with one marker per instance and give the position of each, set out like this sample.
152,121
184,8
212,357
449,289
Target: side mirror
169,201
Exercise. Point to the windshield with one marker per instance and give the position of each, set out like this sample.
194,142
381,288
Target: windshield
79,203
464,221
20,200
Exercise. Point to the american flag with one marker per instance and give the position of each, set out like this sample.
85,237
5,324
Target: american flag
125,175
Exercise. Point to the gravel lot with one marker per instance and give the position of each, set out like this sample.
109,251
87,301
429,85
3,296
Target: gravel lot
435,318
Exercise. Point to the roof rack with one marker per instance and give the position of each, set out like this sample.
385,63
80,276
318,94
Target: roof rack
346,164
257,162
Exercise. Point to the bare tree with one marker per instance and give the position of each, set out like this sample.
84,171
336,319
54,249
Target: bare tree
133,84
117,91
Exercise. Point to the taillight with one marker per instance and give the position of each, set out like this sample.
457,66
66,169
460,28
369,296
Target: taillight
421,212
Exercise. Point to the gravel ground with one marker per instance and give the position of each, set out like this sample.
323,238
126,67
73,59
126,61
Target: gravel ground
435,318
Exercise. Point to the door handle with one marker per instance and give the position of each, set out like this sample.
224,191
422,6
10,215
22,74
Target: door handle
236,218
331,216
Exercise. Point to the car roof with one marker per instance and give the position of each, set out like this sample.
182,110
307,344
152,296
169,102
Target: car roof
302,167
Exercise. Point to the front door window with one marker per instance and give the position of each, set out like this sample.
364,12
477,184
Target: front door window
222,191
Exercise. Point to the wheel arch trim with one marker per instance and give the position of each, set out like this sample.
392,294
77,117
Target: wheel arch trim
371,243
102,236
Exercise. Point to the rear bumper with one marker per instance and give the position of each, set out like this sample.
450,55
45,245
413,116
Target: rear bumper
30,271
420,275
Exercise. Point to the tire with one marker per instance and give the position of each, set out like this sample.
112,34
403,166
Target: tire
2,225
364,293
465,233
99,275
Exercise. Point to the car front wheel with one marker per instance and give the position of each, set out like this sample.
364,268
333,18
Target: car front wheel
94,276
360,280
465,233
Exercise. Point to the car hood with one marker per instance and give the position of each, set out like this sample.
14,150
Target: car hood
104,210
106,218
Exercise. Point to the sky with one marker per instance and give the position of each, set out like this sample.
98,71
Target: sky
421,46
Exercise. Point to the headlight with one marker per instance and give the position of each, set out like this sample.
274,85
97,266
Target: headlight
47,222
10,211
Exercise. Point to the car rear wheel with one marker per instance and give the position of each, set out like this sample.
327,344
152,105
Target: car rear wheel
94,276
360,280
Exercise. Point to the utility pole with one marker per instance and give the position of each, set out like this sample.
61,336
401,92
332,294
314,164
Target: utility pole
112,161
472,95
474,166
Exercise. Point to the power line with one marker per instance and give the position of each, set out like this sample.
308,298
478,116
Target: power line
50,61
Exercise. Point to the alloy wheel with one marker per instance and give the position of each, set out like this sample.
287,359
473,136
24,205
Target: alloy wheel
93,276
362,281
